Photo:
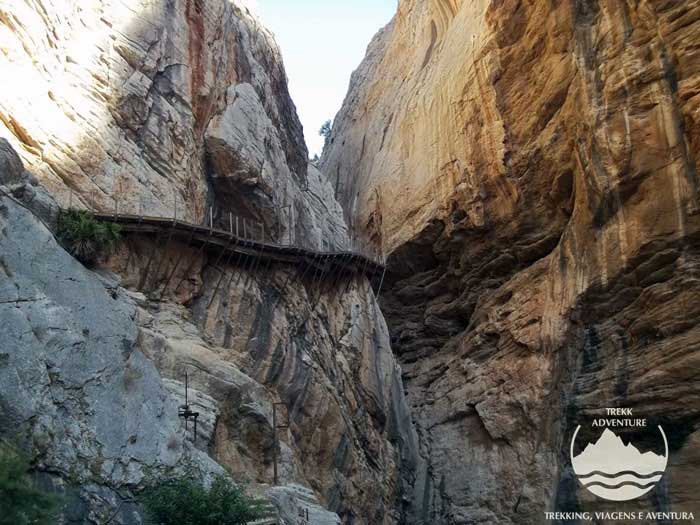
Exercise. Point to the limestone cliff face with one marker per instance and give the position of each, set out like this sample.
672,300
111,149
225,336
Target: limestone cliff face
166,107
274,335
173,109
532,169
76,389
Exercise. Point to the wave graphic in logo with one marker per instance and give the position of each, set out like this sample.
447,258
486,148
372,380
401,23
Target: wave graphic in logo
614,471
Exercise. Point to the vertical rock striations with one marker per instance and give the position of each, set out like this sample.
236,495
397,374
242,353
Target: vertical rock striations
532,168
171,109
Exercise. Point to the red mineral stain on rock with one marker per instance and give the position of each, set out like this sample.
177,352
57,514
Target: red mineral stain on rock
194,13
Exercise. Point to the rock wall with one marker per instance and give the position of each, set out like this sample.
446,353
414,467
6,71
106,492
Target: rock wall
93,368
176,109
275,334
156,107
93,375
532,169
76,389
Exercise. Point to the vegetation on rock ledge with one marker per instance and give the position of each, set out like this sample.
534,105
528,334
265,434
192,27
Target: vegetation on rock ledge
20,501
85,237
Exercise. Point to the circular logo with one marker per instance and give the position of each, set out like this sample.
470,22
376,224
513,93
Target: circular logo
616,471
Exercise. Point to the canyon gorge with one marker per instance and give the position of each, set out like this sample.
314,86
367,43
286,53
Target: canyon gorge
527,170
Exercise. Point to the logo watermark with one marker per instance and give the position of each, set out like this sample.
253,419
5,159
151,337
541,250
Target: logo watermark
615,470
613,466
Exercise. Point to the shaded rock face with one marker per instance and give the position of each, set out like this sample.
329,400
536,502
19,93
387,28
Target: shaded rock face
11,168
253,336
532,167
250,174
76,389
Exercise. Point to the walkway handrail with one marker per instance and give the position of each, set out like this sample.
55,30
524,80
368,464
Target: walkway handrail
177,211
251,246
229,241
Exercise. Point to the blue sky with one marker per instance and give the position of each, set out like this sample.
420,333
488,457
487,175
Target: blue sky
322,42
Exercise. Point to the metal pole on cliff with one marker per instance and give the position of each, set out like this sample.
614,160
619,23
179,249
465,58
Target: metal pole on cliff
381,281
186,400
274,443
275,438
185,412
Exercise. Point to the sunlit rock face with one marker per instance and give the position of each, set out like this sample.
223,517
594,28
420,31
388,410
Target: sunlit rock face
532,168
162,107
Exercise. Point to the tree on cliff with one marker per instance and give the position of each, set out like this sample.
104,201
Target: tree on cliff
325,132
20,501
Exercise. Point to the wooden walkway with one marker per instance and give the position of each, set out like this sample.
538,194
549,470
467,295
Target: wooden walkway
223,242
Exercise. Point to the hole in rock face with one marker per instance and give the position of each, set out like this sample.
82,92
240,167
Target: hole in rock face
562,192
457,214
417,255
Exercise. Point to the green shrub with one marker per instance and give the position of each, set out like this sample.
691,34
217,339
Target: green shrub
21,503
84,237
187,501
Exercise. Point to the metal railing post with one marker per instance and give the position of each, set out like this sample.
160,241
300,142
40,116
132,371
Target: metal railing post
381,282
275,438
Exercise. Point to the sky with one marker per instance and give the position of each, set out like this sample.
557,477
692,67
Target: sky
322,42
